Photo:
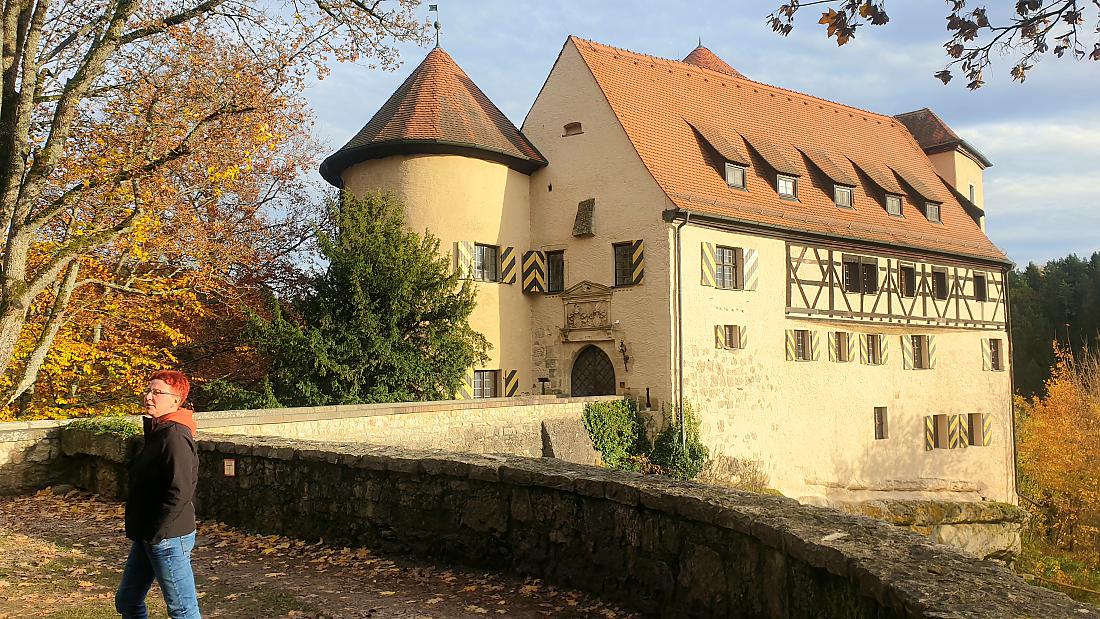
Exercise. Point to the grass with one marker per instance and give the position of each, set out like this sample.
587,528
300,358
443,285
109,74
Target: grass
1076,574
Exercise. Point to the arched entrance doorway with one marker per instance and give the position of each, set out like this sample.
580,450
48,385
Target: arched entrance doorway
592,374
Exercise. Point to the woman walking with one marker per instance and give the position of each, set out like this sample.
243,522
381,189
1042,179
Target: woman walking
160,517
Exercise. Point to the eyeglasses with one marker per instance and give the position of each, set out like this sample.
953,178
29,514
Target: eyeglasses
156,392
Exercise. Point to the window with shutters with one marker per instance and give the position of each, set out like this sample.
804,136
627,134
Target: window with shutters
995,358
555,271
485,383
932,211
787,186
981,288
735,175
975,429
731,336
893,205
941,436
881,428
939,283
874,349
907,281
869,275
851,275
486,263
624,264
802,350
842,196
841,344
860,274
725,267
920,352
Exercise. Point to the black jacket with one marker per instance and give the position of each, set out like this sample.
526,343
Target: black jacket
162,483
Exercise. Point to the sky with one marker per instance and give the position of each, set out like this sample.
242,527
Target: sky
1042,195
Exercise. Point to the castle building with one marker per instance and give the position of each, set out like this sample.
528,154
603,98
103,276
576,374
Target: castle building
813,278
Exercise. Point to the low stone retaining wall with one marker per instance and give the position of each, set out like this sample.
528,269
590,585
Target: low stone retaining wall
530,426
664,547
29,456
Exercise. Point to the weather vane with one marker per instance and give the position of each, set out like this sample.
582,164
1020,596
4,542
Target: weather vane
435,7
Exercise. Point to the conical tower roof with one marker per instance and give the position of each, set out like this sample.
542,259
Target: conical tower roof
438,109
703,57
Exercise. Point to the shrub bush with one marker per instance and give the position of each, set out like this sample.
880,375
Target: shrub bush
120,426
616,433
673,458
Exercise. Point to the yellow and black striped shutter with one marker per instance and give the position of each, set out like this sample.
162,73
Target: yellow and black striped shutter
931,352
929,433
637,266
833,355
511,383
752,262
742,334
815,345
883,349
707,272
863,348
790,345
852,343
987,429
987,356
719,336
534,271
907,352
956,431
508,265
464,259
466,389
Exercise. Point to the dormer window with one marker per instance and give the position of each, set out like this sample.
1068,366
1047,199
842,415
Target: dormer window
932,211
973,194
893,205
787,186
571,129
735,175
842,196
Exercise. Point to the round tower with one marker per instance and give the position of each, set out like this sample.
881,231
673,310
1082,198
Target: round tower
462,169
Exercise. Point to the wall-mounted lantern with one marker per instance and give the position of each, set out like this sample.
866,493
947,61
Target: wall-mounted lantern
626,357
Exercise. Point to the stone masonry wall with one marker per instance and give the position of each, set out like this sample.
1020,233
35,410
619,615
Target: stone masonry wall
500,425
29,456
664,547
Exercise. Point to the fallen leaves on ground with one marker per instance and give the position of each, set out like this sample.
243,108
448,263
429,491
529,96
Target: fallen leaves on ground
62,556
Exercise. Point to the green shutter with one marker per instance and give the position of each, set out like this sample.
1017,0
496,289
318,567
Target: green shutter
707,263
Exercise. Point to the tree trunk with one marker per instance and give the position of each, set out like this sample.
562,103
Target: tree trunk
53,324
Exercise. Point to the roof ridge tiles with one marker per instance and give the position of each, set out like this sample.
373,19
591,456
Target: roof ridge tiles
596,45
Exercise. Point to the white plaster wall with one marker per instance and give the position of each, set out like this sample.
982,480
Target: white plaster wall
812,423
600,163
465,199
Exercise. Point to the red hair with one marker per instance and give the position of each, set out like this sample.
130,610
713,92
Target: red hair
175,380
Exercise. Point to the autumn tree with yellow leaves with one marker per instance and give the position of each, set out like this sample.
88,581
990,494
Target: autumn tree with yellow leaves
150,157
1059,453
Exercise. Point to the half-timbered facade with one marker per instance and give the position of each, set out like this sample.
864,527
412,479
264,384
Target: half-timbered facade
812,278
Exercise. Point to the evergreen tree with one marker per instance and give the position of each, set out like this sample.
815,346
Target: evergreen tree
386,321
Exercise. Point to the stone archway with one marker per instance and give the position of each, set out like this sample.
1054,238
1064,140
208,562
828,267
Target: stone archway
592,374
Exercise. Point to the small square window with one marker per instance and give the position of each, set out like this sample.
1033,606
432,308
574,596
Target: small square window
735,175
893,205
932,211
874,349
881,426
486,263
995,360
981,288
731,336
787,186
841,344
624,264
907,281
725,267
842,196
555,271
485,383
802,350
973,194
939,284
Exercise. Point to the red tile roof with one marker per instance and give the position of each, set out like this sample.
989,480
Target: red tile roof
703,57
438,109
652,97
934,136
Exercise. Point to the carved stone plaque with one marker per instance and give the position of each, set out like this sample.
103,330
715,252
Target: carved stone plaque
587,313
583,224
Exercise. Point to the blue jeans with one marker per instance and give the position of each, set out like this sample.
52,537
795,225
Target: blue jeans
169,562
